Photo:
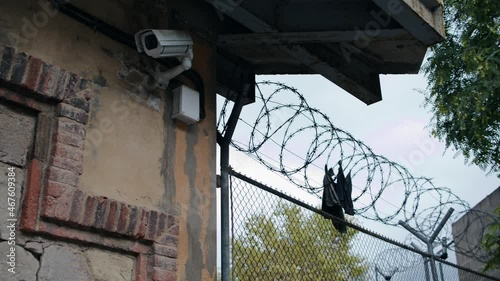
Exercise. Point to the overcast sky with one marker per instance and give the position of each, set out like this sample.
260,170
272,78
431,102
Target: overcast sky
391,127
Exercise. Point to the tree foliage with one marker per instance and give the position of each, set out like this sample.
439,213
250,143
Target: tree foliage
287,244
491,243
464,81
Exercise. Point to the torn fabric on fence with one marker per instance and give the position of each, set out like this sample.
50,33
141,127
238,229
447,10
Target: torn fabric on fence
343,189
330,202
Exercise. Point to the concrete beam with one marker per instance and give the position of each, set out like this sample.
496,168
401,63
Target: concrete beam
432,4
368,93
423,23
248,20
307,37
356,80
235,77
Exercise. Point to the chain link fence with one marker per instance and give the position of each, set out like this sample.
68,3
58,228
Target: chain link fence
278,238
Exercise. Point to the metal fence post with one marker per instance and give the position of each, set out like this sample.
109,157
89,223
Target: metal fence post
426,260
224,212
441,269
432,260
429,241
224,142
426,269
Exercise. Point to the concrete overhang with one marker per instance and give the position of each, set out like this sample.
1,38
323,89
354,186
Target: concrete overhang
349,42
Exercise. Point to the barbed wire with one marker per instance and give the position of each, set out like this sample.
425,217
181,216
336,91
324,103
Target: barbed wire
301,139
395,260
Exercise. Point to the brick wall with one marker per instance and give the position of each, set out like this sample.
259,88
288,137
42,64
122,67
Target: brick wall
52,205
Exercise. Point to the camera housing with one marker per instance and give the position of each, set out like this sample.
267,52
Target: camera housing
161,43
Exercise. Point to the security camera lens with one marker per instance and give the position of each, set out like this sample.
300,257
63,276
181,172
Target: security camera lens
150,41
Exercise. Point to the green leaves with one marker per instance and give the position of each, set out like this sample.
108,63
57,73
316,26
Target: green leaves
286,243
491,243
464,82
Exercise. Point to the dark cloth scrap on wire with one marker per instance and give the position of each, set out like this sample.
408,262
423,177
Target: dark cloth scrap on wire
349,205
344,191
330,201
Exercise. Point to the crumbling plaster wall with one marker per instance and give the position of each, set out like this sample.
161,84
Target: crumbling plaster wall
37,258
42,260
134,151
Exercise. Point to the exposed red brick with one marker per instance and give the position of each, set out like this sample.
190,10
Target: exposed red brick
73,113
67,164
63,206
171,221
63,176
100,213
62,80
168,240
89,213
141,273
87,93
11,96
22,99
134,246
163,275
78,101
71,85
48,81
32,73
96,238
143,224
68,152
68,138
174,230
19,68
162,224
62,201
165,263
70,126
42,136
48,206
77,207
112,219
151,227
123,220
133,221
56,189
164,250
67,233
29,212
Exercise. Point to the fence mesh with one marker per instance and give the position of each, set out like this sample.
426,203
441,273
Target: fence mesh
278,238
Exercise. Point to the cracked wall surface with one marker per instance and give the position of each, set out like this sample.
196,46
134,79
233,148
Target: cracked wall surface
45,260
39,259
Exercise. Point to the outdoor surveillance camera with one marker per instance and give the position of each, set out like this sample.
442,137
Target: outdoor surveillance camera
159,43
